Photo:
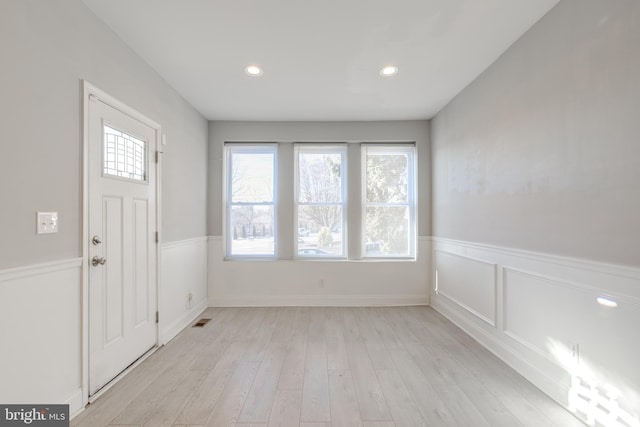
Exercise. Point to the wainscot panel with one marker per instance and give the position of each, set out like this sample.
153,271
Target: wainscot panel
183,289
468,282
568,325
40,331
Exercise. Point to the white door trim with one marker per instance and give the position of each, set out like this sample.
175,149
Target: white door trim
90,91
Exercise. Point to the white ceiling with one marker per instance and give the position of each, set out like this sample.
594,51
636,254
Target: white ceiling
321,58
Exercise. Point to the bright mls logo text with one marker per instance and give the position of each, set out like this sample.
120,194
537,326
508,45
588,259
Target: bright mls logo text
38,415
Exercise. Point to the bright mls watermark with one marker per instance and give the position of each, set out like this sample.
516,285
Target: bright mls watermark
34,415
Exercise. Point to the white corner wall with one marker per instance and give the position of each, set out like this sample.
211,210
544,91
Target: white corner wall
49,48
184,285
536,194
307,282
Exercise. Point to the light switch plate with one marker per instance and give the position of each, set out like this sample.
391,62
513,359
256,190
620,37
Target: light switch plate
47,222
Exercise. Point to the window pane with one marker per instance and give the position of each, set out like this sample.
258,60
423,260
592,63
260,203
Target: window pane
320,230
252,230
252,177
319,177
387,177
387,231
125,156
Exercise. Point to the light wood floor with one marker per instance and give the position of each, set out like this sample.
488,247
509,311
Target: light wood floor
324,366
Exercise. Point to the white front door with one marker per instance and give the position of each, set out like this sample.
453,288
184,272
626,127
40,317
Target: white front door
122,248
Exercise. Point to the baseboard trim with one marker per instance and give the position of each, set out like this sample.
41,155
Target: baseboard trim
183,321
75,403
321,300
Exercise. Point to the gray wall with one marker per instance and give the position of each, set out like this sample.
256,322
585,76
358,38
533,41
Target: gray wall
542,151
47,48
409,131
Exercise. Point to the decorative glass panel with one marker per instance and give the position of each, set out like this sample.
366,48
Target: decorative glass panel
125,156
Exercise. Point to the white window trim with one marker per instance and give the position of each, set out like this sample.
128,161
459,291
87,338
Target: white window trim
353,186
411,198
328,148
230,148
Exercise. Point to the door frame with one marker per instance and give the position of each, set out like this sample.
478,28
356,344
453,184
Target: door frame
93,94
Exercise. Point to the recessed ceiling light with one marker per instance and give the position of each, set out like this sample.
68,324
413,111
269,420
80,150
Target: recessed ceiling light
389,70
253,70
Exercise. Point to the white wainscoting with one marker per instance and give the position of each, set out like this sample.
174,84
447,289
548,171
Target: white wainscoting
184,273
548,323
468,282
40,332
317,283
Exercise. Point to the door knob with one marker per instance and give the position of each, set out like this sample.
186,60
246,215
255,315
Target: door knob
96,240
95,261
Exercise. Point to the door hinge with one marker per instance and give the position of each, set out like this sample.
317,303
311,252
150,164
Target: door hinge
157,237
157,156
157,317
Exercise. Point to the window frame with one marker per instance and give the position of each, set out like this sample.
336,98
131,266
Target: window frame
321,148
411,203
249,148
285,199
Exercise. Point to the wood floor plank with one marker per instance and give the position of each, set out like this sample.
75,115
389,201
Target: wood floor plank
345,410
228,407
436,364
373,406
140,409
462,409
491,408
376,349
399,324
164,414
316,330
210,354
300,327
109,405
337,357
350,327
283,330
315,394
520,397
285,411
403,408
431,407
292,373
260,399
324,367
385,332
206,396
